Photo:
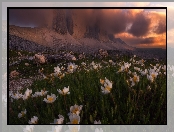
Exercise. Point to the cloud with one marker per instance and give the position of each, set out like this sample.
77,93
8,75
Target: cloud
143,26
158,40
161,28
148,40
158,23
140,26
25,17
115,21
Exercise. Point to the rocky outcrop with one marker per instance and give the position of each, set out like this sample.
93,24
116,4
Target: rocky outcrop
68,31
69,21
92,32
59,21
18,43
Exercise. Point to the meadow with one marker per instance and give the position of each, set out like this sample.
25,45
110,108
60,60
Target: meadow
112,90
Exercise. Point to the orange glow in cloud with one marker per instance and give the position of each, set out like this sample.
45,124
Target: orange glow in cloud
158,41
137,27
156,36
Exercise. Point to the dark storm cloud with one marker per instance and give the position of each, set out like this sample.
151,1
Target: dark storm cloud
109,20
27,17
161,27
140,26
113,21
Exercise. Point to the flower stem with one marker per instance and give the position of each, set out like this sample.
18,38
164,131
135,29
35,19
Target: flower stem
65,103
113,99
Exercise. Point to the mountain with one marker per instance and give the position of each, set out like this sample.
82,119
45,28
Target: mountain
66,30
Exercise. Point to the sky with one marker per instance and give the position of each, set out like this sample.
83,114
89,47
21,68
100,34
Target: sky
142,28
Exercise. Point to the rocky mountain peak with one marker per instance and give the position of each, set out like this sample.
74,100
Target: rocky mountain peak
68,29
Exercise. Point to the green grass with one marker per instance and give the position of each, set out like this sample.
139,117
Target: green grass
124,105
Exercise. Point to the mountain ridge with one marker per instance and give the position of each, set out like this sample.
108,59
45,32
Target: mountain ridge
71,27
50,38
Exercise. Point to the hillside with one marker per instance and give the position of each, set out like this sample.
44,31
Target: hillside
68,29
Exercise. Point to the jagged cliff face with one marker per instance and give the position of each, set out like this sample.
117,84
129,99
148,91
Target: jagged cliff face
59,21
82,27
74,23
79,25
70,27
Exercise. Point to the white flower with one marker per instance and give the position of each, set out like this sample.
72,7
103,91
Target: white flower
157,65
58,121
29,128
144,72
102,81
71,67
40,71
99,66
134,80
137,69
105,90
16,95
108,83
74,58
64,91
149,77
50,99
141,62
124,67
83,64
92,63
98,130
107,86
97,122
27,94
42,93
76,109
95,67
164,68
121,69
33,120
152,75
127,65
22,113
57,70
129,72
26,64
62,68
74,119
35,95
110,61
